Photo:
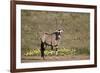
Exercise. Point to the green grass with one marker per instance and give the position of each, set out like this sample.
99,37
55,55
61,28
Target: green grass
61,52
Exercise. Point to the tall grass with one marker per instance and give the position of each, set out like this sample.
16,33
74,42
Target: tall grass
61,52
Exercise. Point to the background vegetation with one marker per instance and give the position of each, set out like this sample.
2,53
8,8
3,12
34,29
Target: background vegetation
75,35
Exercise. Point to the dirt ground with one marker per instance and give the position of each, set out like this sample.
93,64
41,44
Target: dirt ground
26,59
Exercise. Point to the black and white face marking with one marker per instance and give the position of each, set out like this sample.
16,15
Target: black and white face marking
59,33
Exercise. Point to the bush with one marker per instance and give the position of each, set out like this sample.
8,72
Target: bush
61,52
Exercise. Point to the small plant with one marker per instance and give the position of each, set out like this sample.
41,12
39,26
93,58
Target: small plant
61,52
32,52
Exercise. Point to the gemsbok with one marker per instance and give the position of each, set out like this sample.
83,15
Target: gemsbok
50,39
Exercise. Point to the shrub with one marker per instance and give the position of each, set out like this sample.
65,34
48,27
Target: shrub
61,52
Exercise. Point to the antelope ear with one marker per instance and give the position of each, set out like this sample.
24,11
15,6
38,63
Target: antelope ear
59,31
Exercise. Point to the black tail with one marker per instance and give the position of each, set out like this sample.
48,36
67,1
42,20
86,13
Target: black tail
42,49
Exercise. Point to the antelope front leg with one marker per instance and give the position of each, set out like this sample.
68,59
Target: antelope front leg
56,51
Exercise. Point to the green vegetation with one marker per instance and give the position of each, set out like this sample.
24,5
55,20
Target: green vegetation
61,52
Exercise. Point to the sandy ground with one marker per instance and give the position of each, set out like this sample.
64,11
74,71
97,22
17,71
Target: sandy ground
52,58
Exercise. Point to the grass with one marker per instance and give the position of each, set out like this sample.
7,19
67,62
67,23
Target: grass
76,28
61,52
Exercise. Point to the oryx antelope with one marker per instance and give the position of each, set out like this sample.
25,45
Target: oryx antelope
50,39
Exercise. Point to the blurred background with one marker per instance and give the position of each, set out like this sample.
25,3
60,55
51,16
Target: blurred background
75,26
